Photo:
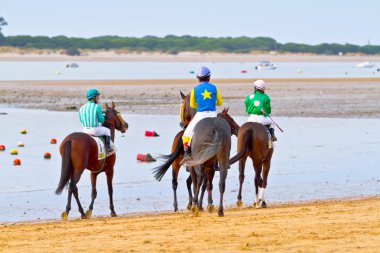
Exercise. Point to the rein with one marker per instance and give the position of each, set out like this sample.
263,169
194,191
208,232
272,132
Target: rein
182,113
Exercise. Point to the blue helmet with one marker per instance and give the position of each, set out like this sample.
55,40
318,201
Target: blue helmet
92,93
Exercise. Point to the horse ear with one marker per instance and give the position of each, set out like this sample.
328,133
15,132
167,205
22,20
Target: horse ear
113,105
182,95
106,106
227,109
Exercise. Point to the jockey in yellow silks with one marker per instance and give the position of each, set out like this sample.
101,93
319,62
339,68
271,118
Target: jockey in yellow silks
204,97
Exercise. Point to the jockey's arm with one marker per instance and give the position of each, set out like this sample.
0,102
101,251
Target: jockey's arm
219,100
193,103
267,107
99,114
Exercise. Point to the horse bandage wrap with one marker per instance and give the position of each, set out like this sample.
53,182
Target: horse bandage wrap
182,112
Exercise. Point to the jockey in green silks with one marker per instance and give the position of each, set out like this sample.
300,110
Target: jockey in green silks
257,105
90,115
204,97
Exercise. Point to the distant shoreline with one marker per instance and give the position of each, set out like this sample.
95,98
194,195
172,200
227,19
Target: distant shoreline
116,56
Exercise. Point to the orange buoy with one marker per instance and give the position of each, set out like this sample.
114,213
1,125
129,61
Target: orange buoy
17,162
23,131
20,144
151,134
47,155
145,158
2,147
14,151
53,141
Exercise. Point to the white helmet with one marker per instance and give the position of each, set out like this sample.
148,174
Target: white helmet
260,84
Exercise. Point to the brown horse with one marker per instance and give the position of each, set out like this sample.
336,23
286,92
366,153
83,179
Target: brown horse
79,151
211,143
174,159
253,141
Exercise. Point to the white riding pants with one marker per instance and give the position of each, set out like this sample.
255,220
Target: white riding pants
97,131
189,131
260,119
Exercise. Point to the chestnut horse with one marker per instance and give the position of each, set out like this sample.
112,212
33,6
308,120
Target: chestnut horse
253,141
79,151
174,159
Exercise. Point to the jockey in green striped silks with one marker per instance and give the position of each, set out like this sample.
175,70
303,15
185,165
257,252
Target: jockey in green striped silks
90,115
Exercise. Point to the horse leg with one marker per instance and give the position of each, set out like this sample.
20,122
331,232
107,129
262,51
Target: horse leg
204,184
210,177
109,174
257,165
188,183
94,193
197,185
174,185
242,161
74,190
266,167
222,185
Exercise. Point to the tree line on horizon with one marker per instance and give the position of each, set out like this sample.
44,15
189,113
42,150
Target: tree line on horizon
174,44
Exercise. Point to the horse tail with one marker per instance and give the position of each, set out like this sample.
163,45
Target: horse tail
207,152
66,167
160,171
247,145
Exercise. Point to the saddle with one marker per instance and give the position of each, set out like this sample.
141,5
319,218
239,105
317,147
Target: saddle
100,141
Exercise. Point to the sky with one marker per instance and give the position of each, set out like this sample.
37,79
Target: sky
300,21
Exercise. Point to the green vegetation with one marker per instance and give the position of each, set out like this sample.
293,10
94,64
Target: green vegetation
174,44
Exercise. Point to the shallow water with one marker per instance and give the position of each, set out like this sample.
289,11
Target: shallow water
313,159
177,70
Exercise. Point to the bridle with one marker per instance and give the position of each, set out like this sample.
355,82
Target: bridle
183,110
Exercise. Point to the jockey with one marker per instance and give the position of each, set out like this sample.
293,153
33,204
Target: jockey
204,97
90,115
257,105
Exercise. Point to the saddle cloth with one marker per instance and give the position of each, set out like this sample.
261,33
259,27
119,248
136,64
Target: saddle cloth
102,147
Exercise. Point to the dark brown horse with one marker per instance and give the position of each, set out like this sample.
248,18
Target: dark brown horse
254,142
79,151
211,143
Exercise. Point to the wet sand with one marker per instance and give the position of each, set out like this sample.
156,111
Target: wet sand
329,226
303,97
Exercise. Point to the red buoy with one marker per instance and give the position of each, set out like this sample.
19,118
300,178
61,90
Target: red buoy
53,141
16,162
47,155
2,147
243,71
145,158
151,134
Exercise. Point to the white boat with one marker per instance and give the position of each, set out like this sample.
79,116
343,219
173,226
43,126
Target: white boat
365,64
72,65
265,65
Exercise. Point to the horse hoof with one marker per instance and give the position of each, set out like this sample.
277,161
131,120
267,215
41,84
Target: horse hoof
175,210
200,209
210,208
113,214
220,213
255,205
189,207
64,215
195,210
83,216
239,203
262,204
89,214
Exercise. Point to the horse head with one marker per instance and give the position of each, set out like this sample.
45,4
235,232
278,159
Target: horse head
234,126
114,118
186,112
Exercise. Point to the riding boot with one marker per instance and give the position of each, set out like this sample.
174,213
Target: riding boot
216,168
108,144
186,155
271,131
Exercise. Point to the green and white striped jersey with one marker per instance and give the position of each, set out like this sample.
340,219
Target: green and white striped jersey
90,115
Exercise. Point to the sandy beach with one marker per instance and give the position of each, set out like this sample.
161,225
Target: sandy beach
323,226
303,97
329,226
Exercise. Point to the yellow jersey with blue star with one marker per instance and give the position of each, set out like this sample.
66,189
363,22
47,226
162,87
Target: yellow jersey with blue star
204,97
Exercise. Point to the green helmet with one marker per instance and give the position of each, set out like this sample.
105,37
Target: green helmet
92,93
